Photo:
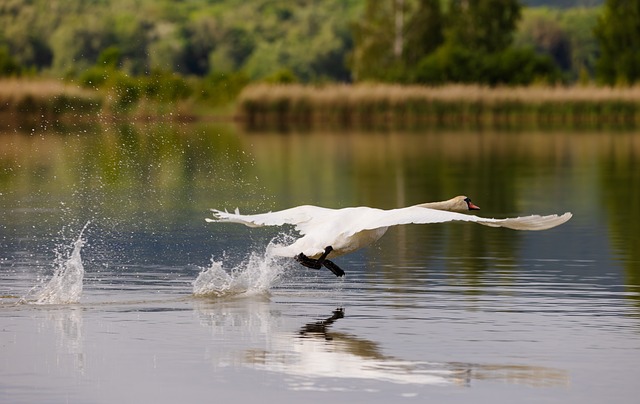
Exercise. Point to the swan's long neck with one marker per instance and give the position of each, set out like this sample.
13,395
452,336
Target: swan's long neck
458,204
442,205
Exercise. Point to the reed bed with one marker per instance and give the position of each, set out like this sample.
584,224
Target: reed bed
397,106
45,98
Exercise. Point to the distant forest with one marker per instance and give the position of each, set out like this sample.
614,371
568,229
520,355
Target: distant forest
563,3
495,41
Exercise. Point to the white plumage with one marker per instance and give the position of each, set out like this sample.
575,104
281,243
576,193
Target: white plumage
348,229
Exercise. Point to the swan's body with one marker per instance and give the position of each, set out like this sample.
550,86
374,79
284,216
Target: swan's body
341,231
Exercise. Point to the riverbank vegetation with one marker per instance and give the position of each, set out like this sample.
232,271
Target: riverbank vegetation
307,41
191,58
46,100
405,107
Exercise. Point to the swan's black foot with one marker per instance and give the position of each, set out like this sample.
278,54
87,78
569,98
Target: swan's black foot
308,262
337,271
318,263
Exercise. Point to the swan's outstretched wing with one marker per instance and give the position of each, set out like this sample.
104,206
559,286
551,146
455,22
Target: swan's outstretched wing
349,221
348,229
533,222
298,216
419,215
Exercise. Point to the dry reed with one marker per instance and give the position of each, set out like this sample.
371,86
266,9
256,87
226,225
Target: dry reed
45,97
378,105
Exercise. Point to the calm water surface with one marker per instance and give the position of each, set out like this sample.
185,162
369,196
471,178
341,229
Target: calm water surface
174,309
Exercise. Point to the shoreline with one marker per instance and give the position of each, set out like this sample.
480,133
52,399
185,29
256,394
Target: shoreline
335,106
395,106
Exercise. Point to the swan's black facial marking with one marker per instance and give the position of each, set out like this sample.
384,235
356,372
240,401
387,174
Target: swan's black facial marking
470,205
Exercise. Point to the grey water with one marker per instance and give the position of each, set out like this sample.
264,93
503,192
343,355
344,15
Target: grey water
171,308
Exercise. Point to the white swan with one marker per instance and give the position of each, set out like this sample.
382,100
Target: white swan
341,231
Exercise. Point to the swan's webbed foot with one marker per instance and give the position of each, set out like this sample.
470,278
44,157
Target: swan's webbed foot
318,263
308,262
331,266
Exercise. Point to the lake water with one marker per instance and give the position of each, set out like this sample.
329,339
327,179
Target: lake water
152,304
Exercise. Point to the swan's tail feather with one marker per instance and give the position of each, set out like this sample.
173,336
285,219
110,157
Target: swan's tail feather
533,222
224,216
236,217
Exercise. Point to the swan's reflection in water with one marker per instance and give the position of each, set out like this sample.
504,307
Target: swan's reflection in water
315,354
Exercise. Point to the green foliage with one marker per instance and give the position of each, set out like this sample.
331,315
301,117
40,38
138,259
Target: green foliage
313,41
565,35
127,90
221,88
284,76
468,42
373,34
514,66
618,32
483,25
309,37
159,85
8,65
77,45
563,3
165,86
448,63
520,66
424,31
110,57
95,77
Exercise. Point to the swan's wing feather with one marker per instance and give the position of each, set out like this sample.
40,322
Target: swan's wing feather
533,222
297,216
419,215
346,222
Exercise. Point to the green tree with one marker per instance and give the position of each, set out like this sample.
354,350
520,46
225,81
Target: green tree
373,57
565,35
424,31
544,33
201,37
167,49
8,65
77,44
483,25
311,41
478,48
132,35
618,32
235,45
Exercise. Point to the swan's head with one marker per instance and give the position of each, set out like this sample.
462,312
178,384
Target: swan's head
458,204
461,204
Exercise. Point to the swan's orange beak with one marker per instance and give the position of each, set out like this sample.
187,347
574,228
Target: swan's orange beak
472,206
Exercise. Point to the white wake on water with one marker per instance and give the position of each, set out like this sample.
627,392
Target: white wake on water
65,286
255,275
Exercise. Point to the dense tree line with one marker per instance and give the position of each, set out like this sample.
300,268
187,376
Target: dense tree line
198,37
414,41
618,32
563,3
464,41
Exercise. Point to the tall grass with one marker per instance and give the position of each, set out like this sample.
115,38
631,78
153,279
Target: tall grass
45,98
399,106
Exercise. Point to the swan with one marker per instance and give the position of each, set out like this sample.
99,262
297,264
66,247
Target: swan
327,231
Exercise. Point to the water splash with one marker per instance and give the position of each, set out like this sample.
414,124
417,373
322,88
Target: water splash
255,275
65,286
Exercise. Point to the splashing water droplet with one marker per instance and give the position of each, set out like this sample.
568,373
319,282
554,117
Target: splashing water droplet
255,275
65,286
